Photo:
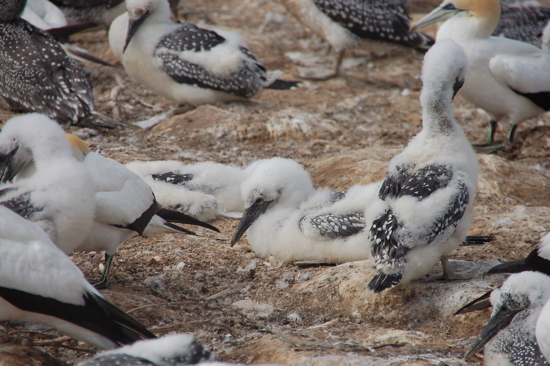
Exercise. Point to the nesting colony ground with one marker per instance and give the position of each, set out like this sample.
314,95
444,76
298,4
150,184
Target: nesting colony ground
344,131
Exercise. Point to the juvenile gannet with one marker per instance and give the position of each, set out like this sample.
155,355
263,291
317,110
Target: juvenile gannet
125,206
36,75
509,337
343,23
218,180
39,284
183,62
56,192
174,349
436,175
508,79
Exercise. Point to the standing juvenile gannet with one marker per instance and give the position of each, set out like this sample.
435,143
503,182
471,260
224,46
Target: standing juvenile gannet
435,175
56,192
288,219
173,349
36,75
343,23
39,284
509,337
183,62
506,78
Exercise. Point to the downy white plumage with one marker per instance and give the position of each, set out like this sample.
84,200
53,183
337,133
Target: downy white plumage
183,62
40,284
508,79
286,218
509,337
53,189
436,174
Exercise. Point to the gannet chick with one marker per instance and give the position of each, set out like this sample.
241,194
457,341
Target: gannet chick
38,76
183,62
522,21
509,337
286,218
508,79
91,11
221,181
343,23
57,193
125,206
39,284
174,349
436,174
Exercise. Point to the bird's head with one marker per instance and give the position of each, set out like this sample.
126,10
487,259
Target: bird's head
140,10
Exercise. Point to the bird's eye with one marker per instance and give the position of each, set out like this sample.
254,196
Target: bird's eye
259,200
449,6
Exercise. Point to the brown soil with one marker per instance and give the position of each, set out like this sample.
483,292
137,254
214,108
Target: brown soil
344,131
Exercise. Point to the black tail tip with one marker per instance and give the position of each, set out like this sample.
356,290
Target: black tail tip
283,84
383,281
477,240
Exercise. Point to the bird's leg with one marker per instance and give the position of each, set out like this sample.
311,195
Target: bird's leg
103,282
490,147
326,76
448,272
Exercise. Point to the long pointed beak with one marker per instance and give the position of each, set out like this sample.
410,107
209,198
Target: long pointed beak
249,216
436,15
8,168
133,26
498,322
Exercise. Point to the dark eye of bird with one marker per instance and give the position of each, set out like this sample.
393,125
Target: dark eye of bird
449,6
259,200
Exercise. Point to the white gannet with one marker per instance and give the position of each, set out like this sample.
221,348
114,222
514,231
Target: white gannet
522,21
36,75
509,337
39,284
57,192
170,350
183,62
221,181
436,175
286,218
508,79
343,23
125,206
91,11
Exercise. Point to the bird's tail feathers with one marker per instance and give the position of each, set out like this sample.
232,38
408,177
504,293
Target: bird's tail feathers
97,119
477,240
383,281
179,217
62,34
83,55
179,229
273,81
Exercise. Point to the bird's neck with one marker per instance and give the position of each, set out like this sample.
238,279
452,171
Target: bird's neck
160,15
478,23
437,112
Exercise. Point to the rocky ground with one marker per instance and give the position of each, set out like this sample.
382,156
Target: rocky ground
344,131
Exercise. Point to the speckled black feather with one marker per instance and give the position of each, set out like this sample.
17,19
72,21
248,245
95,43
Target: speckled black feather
523,23
382,20
22,205
384,233
173,177
337,226
36,75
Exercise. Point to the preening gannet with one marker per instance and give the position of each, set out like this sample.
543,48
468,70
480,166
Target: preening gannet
436,174
508,79
509,337
36,75
40,284
183,62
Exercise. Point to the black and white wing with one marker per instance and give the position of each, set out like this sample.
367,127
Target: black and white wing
378,20
173,177
244,81
21,205
334,226
523,23
36,75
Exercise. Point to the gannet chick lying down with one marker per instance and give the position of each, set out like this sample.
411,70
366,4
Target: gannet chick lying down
286,218
40,284
125,206
508,79
204,190
510,336
183,62
53,189
436,175
219,180
170,350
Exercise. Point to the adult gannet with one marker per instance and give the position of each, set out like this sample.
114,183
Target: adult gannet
36,75
39,284
343,23
436,175
183,62
509,337
508,79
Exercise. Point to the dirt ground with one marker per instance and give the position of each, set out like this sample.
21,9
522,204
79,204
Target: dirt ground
344,131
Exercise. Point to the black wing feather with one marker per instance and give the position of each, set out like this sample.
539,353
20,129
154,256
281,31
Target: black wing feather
337,226
173,177
22,205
